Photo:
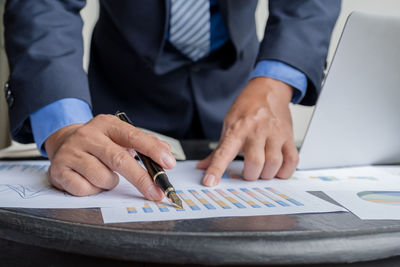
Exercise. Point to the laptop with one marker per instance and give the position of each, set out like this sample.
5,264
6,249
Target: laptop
357,117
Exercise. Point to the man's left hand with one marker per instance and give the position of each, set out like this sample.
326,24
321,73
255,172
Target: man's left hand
260,125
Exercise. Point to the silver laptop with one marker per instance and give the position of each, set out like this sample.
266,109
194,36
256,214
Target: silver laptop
357,117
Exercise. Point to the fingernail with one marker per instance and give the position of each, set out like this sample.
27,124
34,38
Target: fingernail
154,194
209,180
168,160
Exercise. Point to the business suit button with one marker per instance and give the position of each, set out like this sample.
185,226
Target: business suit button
9,95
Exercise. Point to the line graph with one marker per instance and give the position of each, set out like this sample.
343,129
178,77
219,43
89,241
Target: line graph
24,191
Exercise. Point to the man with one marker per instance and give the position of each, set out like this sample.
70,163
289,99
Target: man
174,66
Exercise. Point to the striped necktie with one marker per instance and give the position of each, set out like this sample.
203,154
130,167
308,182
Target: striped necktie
190,27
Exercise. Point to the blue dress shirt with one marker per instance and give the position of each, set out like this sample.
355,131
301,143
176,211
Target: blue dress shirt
68,111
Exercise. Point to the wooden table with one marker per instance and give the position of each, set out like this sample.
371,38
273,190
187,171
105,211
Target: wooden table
78,236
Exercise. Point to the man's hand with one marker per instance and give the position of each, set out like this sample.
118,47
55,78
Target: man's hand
84,158
258,124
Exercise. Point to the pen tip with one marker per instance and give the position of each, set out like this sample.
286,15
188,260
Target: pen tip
175,199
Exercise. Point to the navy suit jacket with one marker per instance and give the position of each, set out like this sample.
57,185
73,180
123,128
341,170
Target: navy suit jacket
129,59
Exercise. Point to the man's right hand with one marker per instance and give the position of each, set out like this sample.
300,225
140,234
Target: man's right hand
85,157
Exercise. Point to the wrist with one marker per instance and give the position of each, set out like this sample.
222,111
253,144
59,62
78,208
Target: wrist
279,89
54,141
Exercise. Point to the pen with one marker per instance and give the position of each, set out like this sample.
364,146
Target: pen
155,171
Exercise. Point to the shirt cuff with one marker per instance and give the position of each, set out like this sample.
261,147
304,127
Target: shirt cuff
285,73
57,115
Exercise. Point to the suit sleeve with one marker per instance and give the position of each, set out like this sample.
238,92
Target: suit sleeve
44,46
298,34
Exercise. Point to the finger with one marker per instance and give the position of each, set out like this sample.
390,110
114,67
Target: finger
94,171
222,156
205,163
290,160
254,158
273,158
72,182
126,135
120,160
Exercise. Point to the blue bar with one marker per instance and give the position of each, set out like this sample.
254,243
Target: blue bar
163,209
209,206
194,207
147,210
239,205
295,202
282,203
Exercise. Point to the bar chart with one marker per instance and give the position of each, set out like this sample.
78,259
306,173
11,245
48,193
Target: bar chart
219,202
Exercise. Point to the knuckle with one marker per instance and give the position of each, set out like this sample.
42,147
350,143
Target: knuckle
274,161
154,144
216,169
236,126
61,176
260,130
134,137
220,153
82,191
107,180
104,118
54,171
115,181
165,144
141,181
52,174
83,132
254,161
71,150
292,159
119,159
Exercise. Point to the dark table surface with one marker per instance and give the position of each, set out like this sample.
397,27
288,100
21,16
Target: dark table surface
78,236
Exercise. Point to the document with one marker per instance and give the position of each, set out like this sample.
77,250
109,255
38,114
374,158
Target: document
24,184
370,204
370,192
343,178
231,197
253,199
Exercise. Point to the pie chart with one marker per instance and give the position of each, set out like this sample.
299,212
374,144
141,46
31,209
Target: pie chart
381,197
